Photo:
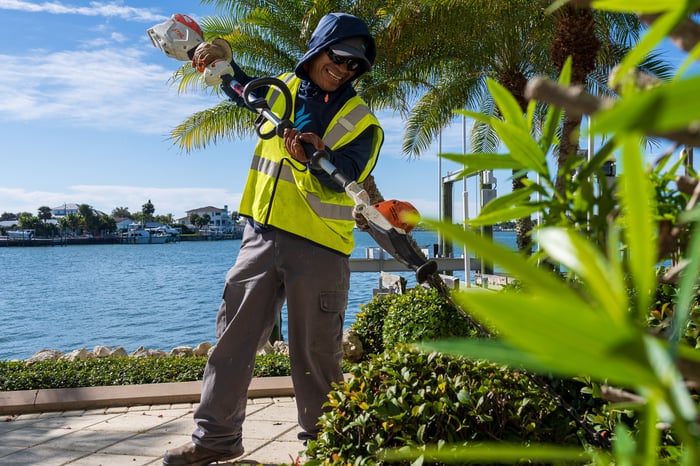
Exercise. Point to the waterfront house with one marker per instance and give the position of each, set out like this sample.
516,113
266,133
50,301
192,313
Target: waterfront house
71,208
220,220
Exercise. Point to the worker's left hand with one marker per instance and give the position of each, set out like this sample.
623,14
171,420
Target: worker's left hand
293,140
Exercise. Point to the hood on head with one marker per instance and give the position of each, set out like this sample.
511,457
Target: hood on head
336,29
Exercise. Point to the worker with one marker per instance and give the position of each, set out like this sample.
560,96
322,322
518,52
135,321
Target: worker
296,243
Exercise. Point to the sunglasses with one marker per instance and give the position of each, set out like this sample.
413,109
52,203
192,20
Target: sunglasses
351,63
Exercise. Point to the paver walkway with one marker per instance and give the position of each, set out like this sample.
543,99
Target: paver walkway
138,434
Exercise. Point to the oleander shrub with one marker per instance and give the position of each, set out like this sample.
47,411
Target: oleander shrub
18,375
420,314
403,397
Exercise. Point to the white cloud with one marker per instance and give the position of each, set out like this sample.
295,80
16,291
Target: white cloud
106,88
106,10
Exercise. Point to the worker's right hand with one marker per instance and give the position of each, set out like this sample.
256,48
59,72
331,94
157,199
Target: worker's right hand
207,53
294,143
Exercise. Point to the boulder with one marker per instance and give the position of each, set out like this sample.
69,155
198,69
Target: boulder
352,346
202,349
182,351
280,347
141,352
77,355
44,355
118,352
101,351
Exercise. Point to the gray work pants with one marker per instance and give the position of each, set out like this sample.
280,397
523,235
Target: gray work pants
270,267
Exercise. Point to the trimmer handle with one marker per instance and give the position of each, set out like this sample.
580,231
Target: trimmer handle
260,106
319,159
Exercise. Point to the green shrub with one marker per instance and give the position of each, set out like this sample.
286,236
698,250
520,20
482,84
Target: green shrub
420,314
369,323
423,315
272,365
403,397
17,375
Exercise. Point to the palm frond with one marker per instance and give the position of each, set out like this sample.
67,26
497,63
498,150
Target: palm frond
223,121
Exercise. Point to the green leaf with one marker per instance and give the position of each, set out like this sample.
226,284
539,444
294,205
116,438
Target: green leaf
489,120
491,350
565,335
536,279
553,118
508,106
660,110
676,393
603,155
512,199
688,288
637,199
522,146
638,6
504,215
511,206
603,282
660,29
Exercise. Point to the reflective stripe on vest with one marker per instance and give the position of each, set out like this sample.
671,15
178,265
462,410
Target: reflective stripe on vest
345,125
284,172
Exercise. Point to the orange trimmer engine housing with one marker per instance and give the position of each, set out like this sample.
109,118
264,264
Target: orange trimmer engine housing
396,212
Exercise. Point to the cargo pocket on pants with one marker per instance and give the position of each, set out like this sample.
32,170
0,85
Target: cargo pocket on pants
333,305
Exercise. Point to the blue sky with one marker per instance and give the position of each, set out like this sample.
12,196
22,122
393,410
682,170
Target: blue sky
86,109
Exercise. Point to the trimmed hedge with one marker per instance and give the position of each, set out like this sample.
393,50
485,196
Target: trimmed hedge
18,375
420,314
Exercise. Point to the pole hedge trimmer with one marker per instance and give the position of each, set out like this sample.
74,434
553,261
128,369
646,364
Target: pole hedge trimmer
179,36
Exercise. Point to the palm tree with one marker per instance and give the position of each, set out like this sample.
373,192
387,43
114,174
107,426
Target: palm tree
147,210
475,40
45,213
508,41
121,212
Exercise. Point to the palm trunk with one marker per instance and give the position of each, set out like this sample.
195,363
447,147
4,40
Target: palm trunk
514,81
575,37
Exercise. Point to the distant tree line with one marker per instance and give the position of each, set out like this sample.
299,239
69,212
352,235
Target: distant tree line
86,221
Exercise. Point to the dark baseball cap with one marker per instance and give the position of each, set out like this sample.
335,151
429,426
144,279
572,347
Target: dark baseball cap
355,47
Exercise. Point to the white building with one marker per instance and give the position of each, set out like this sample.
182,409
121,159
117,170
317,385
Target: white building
71,208
220,220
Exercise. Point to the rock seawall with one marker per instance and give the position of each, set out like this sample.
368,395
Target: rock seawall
352,351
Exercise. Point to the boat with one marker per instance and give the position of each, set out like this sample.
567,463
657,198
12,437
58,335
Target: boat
20,234
143,236
173,234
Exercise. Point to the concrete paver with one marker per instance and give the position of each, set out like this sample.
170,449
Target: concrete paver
140,434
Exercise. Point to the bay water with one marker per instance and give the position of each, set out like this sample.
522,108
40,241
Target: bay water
157,296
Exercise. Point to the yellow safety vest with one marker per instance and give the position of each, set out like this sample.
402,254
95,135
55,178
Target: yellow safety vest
283,193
